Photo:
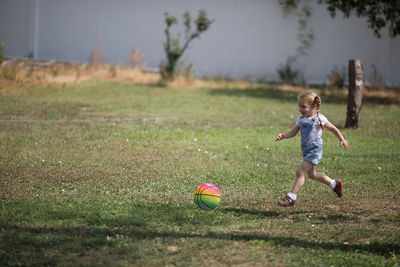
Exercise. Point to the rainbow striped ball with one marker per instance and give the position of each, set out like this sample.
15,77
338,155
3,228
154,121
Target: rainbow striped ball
207,196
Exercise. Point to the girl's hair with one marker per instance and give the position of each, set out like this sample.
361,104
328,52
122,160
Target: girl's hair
312,98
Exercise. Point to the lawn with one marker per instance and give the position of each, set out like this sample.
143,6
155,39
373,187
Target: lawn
105,172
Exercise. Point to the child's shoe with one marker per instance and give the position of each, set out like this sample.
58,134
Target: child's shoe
338,187
286,202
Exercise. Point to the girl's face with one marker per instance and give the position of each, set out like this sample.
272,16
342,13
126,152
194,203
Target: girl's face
306,109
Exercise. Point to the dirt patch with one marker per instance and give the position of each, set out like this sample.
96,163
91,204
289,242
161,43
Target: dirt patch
389,205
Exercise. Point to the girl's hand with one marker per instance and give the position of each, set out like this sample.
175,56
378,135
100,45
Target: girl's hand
280,137
344,143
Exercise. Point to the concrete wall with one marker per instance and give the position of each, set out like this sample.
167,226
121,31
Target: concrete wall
248,37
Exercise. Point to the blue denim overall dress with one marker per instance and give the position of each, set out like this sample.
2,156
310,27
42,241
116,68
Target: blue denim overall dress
310,147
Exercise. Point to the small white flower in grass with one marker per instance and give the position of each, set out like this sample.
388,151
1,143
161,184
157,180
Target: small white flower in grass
63,190
246,146
206,152
195,139
267,148
291,116
313,225
379,168
199,150
42,160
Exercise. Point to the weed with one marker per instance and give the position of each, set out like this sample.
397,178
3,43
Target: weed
287,74
173,49
136,58
375,82
9,72
2,53
97,56
337,77
113,71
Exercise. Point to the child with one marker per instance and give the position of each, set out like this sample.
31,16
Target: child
311,124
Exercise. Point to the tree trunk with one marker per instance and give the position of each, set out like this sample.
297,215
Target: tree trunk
355,93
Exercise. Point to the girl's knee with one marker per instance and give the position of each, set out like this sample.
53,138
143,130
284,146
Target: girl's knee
312,175
299,173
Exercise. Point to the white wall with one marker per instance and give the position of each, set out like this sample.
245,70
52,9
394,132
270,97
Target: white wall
248,37
14,27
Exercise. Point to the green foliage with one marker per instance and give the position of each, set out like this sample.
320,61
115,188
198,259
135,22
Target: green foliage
9,72
305,36
287,74
379,13
2,53
172,46
337,77
54,71
303,11
113,71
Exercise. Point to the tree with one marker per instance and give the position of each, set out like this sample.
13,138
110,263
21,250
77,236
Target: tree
305,36
172,46
354,100
379,13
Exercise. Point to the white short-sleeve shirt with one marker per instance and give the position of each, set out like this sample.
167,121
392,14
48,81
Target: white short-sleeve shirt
315,132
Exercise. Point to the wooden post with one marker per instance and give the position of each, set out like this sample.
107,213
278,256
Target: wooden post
355,93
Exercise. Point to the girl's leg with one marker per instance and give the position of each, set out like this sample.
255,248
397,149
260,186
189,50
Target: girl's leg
304,167
319,176
290,199
335,185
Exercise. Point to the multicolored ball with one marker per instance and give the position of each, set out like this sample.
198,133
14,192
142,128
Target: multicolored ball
207,196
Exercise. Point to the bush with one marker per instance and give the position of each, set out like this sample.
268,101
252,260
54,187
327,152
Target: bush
172,46
287,74
375,81
9,72
2,53
337,77
113,71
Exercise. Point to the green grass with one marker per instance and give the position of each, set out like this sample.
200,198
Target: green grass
78,187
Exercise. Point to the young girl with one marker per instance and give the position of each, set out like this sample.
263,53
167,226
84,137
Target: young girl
311,124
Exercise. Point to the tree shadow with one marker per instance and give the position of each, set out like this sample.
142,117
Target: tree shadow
141,221
95,238
268,93
265,213
260,213
291,96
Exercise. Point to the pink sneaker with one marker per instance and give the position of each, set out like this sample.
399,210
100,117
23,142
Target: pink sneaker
338,188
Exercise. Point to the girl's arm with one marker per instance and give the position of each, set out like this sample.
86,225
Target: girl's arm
289,134
336,131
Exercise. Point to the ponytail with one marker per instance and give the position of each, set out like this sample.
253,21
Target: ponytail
317,102
320,122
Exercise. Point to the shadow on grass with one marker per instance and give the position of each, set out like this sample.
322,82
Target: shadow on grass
96,237
260,213
291,96
270,93
98,226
